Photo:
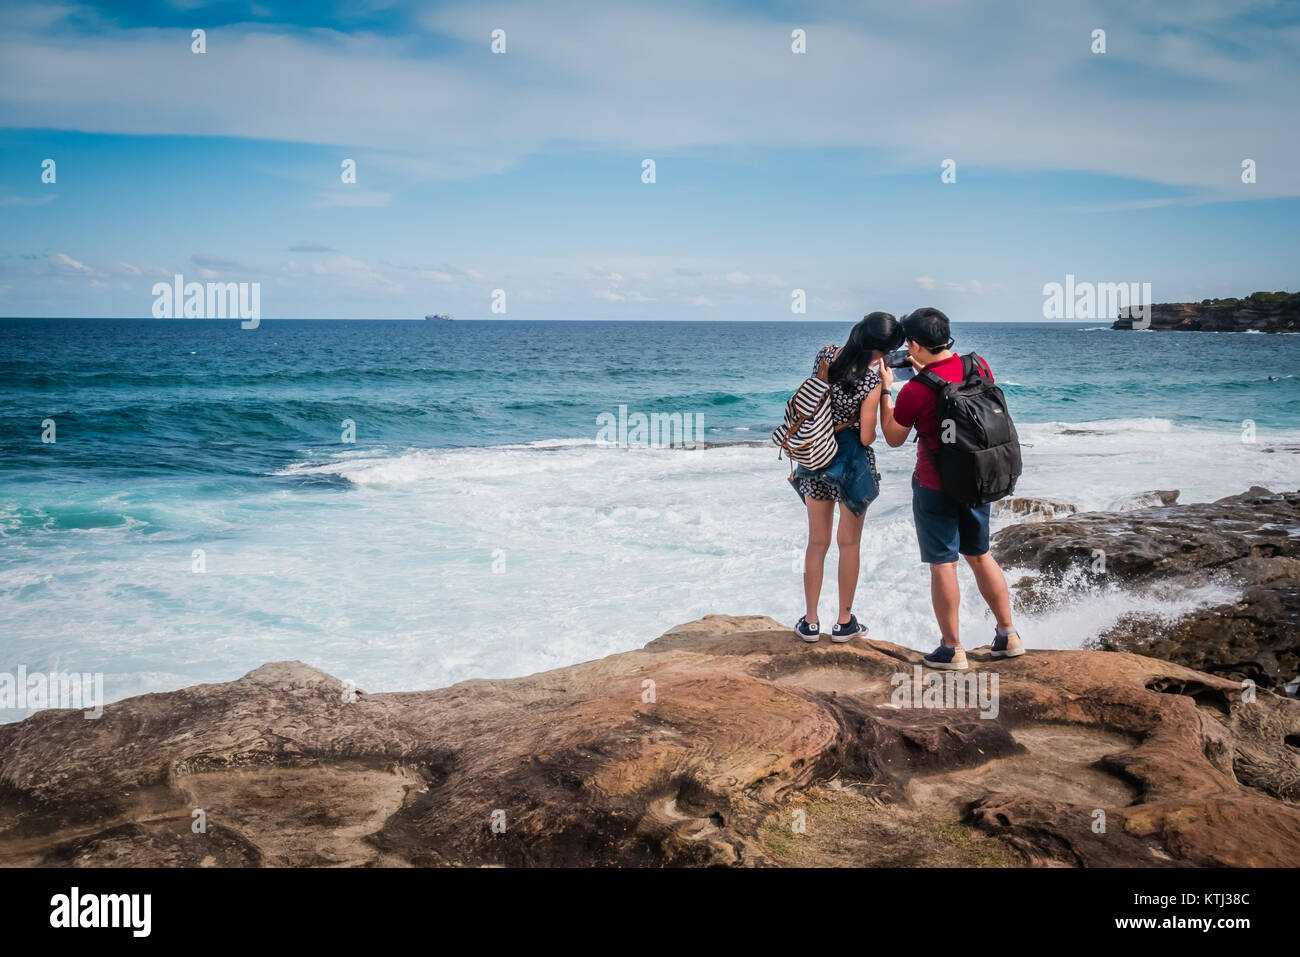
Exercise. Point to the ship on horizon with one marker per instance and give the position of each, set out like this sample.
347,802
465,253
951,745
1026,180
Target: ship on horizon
438,315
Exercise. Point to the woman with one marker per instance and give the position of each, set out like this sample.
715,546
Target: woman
851,479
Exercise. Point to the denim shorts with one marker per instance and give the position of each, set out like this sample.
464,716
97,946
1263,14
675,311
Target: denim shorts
851,474
946,529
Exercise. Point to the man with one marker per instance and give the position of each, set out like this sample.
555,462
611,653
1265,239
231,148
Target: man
945,528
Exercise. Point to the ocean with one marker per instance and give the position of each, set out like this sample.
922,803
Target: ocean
201,510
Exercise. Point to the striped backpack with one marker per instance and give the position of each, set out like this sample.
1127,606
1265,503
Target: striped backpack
807,435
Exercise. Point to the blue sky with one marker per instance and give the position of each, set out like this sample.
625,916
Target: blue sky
522,171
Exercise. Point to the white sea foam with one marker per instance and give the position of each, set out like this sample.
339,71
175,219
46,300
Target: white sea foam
426,567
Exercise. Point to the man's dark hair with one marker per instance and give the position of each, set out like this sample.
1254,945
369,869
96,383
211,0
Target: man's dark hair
928,328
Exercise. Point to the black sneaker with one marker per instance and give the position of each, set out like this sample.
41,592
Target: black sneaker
947,657
806,631
1007,646
850,629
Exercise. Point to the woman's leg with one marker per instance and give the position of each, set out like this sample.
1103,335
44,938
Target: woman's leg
849,538
821,516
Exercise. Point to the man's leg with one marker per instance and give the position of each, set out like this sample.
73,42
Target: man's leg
938,533
993,586
973,524
946,598
937,530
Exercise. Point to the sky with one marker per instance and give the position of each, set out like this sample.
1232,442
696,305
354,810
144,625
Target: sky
523,170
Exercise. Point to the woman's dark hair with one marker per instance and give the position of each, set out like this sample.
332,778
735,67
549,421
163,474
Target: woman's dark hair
877,332
928,328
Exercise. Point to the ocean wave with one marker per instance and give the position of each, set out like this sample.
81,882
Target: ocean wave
500,464
16,520
354,559
1109,426
171,379
1086,454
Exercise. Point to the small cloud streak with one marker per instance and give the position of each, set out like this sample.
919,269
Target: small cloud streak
351,198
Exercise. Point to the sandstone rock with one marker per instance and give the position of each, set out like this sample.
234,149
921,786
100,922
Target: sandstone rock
1255,637
697,749
1260,311
1031,509
1154,543
1152,499
1252,495
1251,539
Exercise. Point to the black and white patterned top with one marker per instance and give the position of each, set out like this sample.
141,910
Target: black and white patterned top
846,405
846,401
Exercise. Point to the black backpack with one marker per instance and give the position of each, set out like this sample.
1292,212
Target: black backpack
978,457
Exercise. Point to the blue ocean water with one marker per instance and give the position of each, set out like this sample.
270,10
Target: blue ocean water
200,511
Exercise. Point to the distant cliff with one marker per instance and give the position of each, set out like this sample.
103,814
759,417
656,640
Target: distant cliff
1260,311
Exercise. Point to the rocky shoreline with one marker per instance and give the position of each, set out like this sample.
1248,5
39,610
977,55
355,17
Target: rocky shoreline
1249,541
1258,312
726,741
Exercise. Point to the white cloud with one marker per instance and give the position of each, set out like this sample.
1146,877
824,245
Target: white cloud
61,264
210,266
27,200
613,295
972,287
1018,91
345,196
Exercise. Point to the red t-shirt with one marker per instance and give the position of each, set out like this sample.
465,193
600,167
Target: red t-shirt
916,406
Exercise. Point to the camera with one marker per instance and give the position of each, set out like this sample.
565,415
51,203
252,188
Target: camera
898,359
901,364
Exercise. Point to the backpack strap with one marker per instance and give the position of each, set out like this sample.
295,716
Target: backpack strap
974,364
933,380
937,384
971,366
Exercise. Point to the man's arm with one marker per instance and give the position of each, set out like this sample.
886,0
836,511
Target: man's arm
895,433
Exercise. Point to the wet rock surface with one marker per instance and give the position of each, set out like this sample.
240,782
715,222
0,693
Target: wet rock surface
1251,541
1031,509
